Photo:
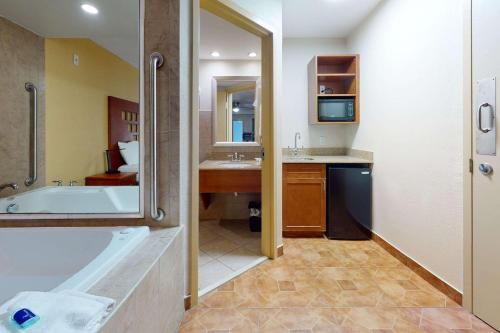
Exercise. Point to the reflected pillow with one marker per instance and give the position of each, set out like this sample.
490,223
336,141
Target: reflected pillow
129,151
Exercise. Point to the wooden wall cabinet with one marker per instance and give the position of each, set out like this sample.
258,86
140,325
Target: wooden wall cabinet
304,200
340,75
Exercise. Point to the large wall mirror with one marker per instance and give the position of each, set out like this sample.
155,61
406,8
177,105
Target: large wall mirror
237,106
71,121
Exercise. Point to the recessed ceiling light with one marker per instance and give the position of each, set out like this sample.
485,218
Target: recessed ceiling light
215,54
88,8
252,54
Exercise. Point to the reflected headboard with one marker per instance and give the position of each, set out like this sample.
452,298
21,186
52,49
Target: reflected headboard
123,126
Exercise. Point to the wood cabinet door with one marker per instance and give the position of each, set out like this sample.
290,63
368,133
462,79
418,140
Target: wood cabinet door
304,200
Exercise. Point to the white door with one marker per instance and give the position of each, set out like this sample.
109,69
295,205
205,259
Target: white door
486,172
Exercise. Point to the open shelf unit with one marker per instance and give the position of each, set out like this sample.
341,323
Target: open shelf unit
340,75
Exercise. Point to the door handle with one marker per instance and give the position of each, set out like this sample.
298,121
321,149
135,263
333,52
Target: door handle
155,62
480,113
485,169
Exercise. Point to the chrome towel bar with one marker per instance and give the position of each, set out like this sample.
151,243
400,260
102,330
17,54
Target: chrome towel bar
31,88
155,62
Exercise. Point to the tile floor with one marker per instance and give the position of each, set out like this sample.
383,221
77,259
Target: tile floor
329,286
225,248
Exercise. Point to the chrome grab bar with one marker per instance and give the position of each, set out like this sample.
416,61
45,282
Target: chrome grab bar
480,118
31,88
155,62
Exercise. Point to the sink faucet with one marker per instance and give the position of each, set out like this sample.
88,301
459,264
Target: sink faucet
236,157
296,149
13,186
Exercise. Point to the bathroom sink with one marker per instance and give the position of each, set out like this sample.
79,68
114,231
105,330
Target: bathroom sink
235,165
301,158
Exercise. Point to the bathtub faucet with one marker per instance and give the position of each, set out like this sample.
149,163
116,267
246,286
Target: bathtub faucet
13,186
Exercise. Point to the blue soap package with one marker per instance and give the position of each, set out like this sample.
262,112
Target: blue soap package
24,318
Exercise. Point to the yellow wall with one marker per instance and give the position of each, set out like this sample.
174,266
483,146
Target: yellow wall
76,105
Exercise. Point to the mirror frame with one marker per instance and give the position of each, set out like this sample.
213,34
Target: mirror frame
90,216
258,135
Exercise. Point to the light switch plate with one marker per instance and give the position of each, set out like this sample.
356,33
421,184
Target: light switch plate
76,59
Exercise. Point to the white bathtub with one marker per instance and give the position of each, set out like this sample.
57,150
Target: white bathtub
43,259
74,200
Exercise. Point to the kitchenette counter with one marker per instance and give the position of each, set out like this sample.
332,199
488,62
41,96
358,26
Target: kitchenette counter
347,159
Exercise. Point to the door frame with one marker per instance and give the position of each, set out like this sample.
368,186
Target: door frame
227,10
467,157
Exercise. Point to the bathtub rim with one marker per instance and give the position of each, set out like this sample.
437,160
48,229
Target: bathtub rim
27,217
92,275
50,216
110,256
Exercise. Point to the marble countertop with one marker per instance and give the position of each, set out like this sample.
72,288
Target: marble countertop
229,165
325,159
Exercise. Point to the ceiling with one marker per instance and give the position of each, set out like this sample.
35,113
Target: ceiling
246,99
232,42
324,18
115,27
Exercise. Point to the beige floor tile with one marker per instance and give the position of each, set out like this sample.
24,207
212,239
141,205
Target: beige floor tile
286,286
207,235
239,258
230,243
273,326
326,286
223,299
193,327
203,258
448,318
374,318
259,316
211,273
221,319
347,285
218,247
423,298
297,318
228,286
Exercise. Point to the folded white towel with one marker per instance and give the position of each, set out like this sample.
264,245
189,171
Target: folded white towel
67,311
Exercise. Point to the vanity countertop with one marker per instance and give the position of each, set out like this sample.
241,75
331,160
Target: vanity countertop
325,159
229,165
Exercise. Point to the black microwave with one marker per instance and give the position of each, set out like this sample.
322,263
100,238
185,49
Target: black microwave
336,109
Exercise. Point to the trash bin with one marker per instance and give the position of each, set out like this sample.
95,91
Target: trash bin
254,221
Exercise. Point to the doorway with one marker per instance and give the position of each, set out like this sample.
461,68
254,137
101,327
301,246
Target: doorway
482,215
254,134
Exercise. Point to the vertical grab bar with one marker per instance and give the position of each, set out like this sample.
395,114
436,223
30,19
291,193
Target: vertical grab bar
155,62
31,88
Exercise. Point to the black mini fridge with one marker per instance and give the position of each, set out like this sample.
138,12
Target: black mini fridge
349,201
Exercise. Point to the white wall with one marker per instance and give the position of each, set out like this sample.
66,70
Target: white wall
210,68
411,111
297,53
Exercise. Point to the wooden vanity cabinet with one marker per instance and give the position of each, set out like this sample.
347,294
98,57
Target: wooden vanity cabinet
304,200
